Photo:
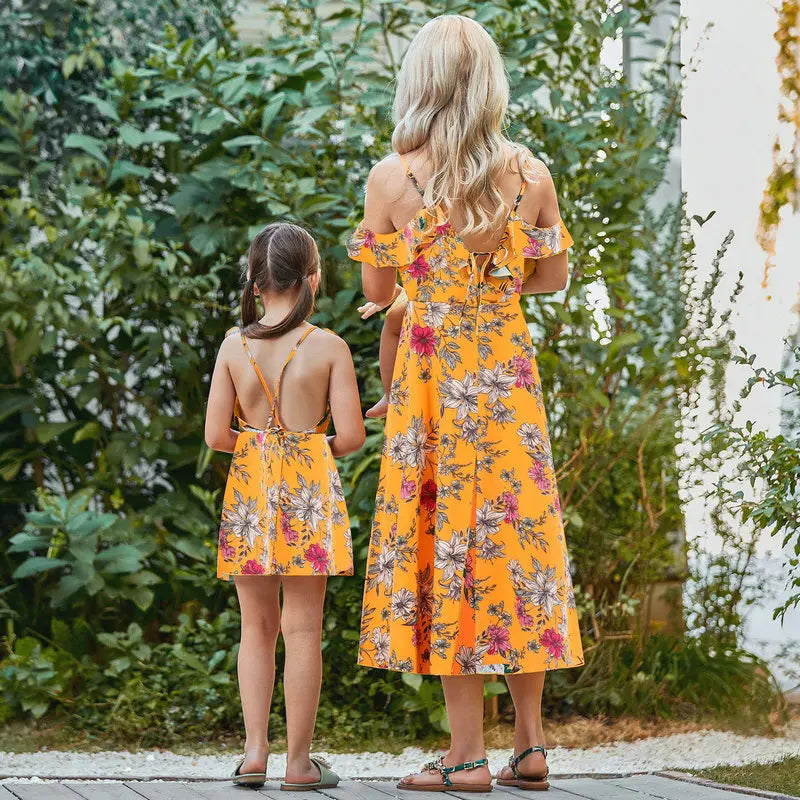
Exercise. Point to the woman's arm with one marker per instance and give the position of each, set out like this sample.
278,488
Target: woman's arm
540,202
379,284
221,396
345,402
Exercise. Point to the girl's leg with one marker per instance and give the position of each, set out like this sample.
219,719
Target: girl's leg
463,695
301,625
260,608
526,692
390,340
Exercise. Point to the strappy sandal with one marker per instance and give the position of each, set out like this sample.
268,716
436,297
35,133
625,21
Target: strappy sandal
447,785
521,781
327,779
254,780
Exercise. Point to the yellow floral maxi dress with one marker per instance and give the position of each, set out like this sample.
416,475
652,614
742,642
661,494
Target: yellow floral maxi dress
283,511
467,569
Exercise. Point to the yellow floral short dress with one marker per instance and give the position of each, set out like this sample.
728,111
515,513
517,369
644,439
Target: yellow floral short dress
467,569
283,511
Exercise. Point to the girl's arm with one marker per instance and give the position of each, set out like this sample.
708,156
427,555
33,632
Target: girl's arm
548,274
345,403
221,396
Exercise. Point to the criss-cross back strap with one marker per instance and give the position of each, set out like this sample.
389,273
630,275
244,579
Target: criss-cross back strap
411,176
262,380
286,363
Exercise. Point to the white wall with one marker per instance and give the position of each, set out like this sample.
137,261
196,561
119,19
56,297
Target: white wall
731,106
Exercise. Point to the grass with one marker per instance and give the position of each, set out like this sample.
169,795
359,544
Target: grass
782,776
570,732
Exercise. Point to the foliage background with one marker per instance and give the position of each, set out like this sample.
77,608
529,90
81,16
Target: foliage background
135,166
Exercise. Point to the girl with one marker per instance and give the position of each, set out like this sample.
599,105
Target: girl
284,522
467,569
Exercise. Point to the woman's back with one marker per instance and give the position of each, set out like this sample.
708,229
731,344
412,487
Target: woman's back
402,201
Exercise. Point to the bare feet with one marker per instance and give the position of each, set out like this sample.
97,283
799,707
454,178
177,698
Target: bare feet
380,409
532,766
302,771
255,760
432,777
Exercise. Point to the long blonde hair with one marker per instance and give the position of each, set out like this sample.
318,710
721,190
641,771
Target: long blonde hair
451,97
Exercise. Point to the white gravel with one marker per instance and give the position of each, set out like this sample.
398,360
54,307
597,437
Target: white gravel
680,751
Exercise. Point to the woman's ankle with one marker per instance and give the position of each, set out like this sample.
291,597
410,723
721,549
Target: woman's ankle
468,752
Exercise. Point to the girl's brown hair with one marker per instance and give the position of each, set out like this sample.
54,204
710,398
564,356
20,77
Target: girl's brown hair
281,257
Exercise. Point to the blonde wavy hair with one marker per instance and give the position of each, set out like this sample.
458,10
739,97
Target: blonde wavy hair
451,98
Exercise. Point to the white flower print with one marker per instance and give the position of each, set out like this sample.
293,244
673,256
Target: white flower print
435,314
531,436
470,660
451,557
397,448
380,639
495,382
461,395
403,604
384,566
415,444
543,589
243,518
470,430
307,503
487,521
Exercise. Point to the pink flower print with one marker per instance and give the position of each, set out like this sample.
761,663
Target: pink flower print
260,437
517,282
317,556
289,534
537,475
469,572
533,249
407,489
418,268
227,551
427,497
499,640
523,369
554,643
524,618
369,239
443,229
423,340
512,507
252,567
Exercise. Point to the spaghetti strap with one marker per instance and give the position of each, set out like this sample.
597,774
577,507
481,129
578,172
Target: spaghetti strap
261,378
521,190
304,335
411,176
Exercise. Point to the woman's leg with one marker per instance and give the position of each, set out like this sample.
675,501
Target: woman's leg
463,695
301,625
390,340
526,692
260,609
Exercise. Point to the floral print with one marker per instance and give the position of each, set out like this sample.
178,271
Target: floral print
467,570
283,511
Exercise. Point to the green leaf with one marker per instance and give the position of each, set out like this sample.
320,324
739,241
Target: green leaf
103,106
89,144
412,679
122,168
47,431
249,140
37,564
191,547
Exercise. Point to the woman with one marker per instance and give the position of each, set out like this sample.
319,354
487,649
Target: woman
467,570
